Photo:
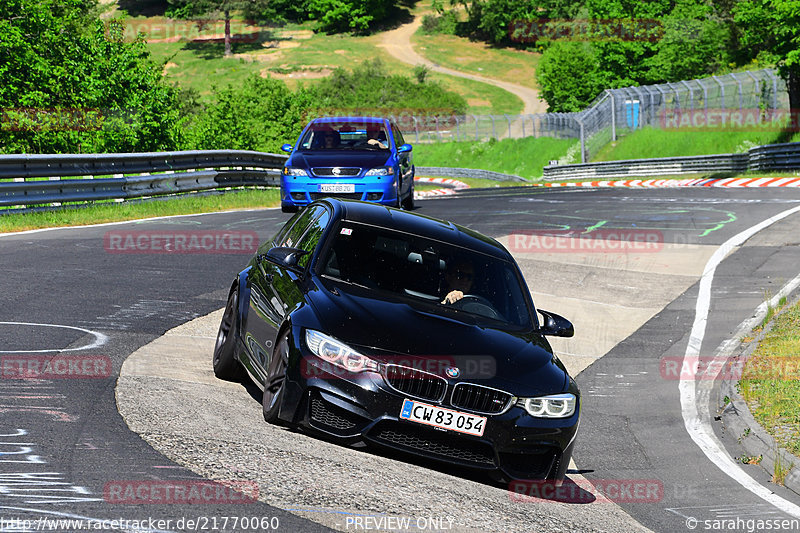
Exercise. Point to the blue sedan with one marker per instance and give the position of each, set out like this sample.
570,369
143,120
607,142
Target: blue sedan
358,158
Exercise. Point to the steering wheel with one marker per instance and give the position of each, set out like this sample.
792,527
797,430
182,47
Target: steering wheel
473,303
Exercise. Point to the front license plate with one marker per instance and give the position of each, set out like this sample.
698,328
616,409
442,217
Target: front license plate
337,187
443,418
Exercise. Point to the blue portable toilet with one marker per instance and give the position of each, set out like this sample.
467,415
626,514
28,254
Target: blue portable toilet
632,113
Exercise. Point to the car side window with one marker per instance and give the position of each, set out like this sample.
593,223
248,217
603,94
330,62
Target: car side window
285,229
313,234
398,137
302,220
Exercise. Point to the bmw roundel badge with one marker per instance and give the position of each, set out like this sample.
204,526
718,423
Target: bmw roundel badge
452,372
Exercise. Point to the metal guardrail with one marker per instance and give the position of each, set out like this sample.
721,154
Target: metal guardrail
775,157
51,165
37,179
447,172
761,158
32,179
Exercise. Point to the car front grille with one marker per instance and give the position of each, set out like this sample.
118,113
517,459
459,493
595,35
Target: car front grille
431,442
415,383
480,399
343,195
336,171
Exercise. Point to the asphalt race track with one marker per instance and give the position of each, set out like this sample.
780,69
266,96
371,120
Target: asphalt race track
67,453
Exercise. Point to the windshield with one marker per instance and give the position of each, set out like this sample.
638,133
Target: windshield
345,136
447,277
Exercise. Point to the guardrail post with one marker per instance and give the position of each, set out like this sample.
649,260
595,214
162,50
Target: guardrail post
739,83
494,131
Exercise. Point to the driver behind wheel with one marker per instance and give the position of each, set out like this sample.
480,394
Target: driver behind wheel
459,279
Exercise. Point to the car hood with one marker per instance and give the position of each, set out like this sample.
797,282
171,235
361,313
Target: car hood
344,158
396,331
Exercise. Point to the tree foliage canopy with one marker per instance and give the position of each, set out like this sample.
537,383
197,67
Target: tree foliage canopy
69,83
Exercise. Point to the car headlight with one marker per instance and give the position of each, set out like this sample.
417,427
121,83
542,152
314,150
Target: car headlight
553,406
291,171
338,354
380,171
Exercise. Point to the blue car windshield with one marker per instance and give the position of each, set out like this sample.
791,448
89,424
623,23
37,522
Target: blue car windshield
345,136
447,277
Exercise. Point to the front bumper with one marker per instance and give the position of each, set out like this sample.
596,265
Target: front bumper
364,408
302,190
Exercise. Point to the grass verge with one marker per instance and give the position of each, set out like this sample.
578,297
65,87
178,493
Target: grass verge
522,157
770,381
101,212
651,142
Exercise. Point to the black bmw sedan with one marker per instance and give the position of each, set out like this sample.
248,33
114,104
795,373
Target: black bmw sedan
373,325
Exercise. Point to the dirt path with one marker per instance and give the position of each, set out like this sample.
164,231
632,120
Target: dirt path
398,44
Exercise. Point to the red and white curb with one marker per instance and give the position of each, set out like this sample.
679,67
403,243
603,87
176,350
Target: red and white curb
451,186
697,182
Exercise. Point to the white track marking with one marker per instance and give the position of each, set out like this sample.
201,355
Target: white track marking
697,421
99,338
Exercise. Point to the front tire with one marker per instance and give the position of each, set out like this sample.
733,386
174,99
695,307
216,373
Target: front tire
224,361
275,383
408,203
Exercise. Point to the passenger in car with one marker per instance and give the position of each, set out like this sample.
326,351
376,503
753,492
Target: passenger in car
377,138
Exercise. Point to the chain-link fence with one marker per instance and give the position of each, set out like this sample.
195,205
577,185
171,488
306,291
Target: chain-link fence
734,100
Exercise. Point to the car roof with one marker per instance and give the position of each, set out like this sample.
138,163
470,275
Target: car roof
367,120
417,224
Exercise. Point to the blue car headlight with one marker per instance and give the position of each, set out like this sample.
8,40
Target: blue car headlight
553,406
380,171
291,171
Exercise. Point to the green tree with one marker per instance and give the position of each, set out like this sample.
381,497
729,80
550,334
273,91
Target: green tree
370,88
347,15
69,83
260,114
695,43
569,76
772,27
220,8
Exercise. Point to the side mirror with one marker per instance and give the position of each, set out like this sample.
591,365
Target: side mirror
555,325
287,148
285,257
404,148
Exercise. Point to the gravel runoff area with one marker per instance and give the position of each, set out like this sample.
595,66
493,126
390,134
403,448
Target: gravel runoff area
168,394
